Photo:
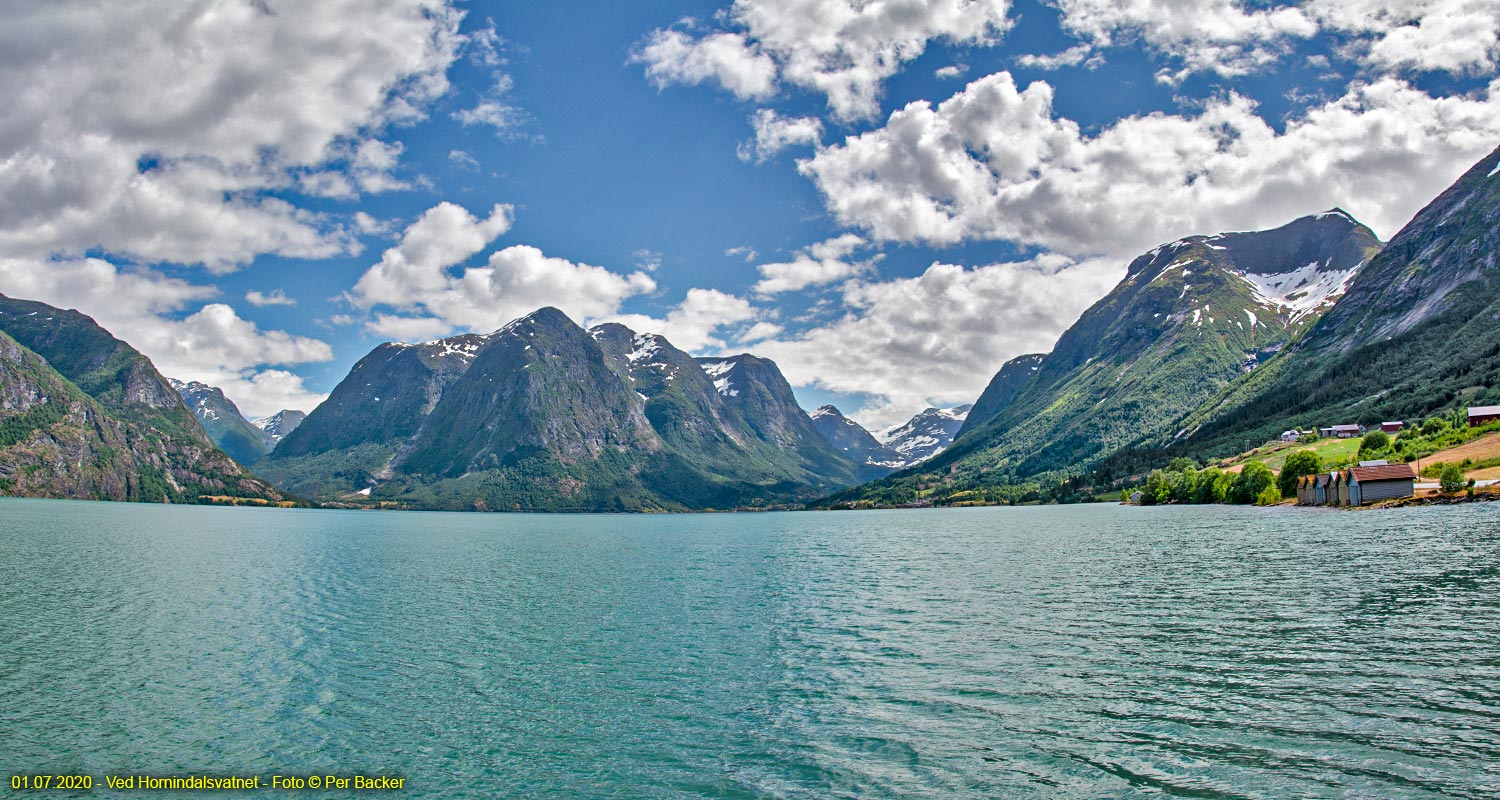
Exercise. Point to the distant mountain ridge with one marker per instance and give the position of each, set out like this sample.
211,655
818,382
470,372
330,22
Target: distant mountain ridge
925,435
544,415
851,439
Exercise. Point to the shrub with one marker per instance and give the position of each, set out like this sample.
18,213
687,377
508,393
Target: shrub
1250,483
1375,442
1270,497
1451,478
1298,464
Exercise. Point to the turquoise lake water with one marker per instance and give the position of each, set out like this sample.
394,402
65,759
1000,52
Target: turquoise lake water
1081,652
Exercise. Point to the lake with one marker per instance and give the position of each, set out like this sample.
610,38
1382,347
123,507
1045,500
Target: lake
1094,651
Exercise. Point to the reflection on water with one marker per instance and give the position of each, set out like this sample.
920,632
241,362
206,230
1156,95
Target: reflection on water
1054,652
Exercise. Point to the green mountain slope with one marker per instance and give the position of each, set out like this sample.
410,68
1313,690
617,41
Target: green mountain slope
543,415
89,417
222,421
1417,332
1188,319
1008,383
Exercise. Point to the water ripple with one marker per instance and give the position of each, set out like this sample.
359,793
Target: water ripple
1056,652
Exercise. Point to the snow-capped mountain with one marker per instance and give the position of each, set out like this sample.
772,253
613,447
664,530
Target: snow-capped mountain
926,434
851,439
278,425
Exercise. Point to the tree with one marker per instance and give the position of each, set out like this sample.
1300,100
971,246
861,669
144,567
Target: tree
1375,443
1183,485
1434,426
1204,492
1250,483
1157,490
1269,497
1450,478
1298,464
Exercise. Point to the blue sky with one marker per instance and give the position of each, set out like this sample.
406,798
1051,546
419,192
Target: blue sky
889,198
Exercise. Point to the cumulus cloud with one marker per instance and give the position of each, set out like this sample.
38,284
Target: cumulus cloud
822,263
951,71
775,133
1235,37
672,56
212,344
96,156
842,49
1456,36
1206,35
696,323
428,298
996,162
936,339
275,297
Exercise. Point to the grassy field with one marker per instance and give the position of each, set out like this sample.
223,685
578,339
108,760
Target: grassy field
1274,455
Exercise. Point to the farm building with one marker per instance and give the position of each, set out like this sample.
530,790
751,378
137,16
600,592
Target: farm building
1392,428
1345,431
1483,415
1291,436
1366,485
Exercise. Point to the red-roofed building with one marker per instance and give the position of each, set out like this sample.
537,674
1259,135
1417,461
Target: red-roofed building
1483,415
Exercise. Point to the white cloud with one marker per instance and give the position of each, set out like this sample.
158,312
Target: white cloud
822,263
744,251
1235,37
775,133
843,49
695,323
1457,36
1071,57
416,279
153,130
951,71
672,56
1206,35
936,339
758,332
463,160
212,344
995,162
443,236
276,297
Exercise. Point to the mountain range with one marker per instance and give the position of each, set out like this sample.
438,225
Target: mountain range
545,415
1206,343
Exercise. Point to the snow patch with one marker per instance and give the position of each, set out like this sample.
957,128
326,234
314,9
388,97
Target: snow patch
1251,315
646,345
717,369
1302,290
724,387
1494,172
